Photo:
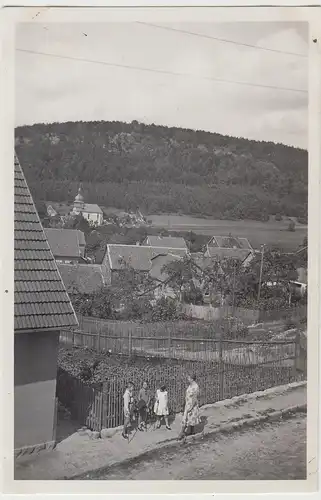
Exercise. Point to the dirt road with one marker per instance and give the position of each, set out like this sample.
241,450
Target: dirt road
272,452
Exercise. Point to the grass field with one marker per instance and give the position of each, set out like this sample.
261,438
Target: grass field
258,233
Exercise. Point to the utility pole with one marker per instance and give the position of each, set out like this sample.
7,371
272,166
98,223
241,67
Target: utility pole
261,271
233,299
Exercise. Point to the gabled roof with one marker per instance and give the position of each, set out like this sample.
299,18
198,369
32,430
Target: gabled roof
227,253
158,263
180,252
40,299
166,242
65,242
230,242
139,257
92,208
82,278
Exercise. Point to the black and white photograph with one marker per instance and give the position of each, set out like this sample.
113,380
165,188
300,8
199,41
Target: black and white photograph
161,250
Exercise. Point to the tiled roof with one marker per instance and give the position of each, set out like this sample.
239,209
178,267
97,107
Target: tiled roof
180,252
158,263
230,242
92,208
138,257
66,242
166,242
82,278
224,253
40,299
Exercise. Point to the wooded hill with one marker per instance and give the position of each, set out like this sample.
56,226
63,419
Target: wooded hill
160,169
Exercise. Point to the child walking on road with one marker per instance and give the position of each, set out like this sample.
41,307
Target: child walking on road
128,408
142,406
161,407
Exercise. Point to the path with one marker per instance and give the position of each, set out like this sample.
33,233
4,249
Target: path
271,452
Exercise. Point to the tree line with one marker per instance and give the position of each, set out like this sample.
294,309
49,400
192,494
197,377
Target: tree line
162,169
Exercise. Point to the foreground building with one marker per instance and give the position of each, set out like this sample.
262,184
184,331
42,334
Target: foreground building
42,308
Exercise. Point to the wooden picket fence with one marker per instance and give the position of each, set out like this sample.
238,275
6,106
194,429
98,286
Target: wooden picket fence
84,402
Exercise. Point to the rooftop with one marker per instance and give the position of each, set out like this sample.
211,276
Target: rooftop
225,253
82,278
158,263
40,299
230,242
65,242
139,257
92,208
167,242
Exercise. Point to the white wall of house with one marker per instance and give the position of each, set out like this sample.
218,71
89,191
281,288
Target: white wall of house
93,218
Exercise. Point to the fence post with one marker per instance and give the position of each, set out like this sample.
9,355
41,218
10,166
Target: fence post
221,369
169,342
73,338
130,343
297,353
98,338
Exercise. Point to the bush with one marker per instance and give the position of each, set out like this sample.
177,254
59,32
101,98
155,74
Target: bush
165,309
291,226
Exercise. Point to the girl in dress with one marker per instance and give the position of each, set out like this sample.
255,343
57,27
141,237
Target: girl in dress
191,411
161,407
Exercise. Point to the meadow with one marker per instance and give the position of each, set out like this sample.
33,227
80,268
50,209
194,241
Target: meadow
271,233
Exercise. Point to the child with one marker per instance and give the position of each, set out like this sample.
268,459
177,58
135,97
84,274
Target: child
142,405
128,407
161,407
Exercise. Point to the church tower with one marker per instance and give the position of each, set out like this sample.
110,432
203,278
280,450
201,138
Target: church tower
79,203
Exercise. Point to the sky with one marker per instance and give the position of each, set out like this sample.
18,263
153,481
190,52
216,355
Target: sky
170,77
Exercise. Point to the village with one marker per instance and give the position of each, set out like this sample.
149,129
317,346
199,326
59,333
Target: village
150,257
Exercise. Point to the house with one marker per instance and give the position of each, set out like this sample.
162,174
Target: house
82,278
42,308
300,287
91,212
223,247
167,242
157,274
120,257
147,261
67,245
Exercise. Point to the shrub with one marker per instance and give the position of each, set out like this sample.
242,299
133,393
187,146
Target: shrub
291,226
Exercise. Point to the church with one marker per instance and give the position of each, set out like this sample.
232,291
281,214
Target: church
90,211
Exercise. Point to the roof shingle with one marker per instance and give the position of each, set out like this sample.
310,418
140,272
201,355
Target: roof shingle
40,299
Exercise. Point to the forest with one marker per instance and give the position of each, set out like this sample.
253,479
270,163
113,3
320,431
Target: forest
163,170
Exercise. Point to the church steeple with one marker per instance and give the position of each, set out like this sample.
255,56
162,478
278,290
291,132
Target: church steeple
79,200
